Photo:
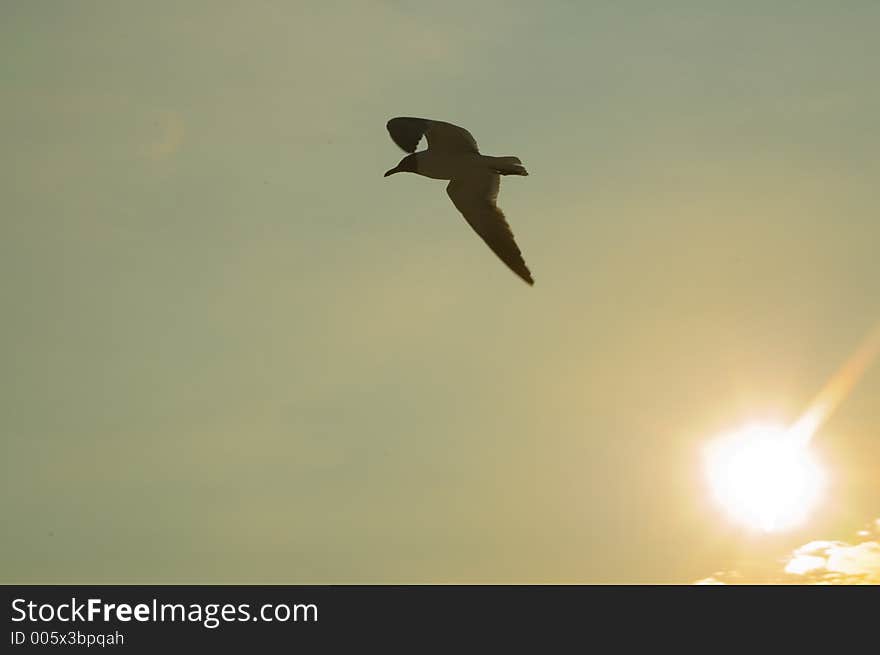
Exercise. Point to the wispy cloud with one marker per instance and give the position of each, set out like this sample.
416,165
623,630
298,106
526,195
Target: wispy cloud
168,136
821,562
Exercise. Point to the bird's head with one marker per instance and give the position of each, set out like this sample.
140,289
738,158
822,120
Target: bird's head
406,165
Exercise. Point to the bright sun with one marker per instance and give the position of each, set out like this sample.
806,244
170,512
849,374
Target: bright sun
764,476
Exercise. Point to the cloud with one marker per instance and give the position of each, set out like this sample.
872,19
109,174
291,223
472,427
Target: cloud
821,562
721,578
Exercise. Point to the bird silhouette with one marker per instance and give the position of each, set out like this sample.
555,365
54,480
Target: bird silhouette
474,179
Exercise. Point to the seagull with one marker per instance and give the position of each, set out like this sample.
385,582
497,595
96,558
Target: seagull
474,179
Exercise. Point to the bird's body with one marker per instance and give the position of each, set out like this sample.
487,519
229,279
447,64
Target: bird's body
445,166
449,166
453,155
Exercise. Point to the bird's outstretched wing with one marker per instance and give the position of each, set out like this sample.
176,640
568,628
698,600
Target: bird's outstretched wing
475,196
445,137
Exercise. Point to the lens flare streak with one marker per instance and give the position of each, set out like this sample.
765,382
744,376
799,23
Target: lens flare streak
838,387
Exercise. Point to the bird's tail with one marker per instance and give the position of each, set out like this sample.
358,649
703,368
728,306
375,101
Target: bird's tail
507,165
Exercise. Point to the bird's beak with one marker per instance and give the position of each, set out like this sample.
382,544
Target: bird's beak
391,172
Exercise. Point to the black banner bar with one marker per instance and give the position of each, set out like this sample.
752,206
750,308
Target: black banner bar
181,618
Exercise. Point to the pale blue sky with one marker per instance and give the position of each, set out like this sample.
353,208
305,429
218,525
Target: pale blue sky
235,353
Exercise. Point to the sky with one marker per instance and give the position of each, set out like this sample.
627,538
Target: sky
234,353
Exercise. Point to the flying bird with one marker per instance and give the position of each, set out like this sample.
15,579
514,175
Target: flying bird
474,179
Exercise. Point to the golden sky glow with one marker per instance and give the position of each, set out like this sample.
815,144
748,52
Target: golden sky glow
765,476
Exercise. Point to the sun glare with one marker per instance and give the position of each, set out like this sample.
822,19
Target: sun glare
764,476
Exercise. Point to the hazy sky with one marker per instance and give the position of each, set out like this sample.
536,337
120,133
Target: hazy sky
233,352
